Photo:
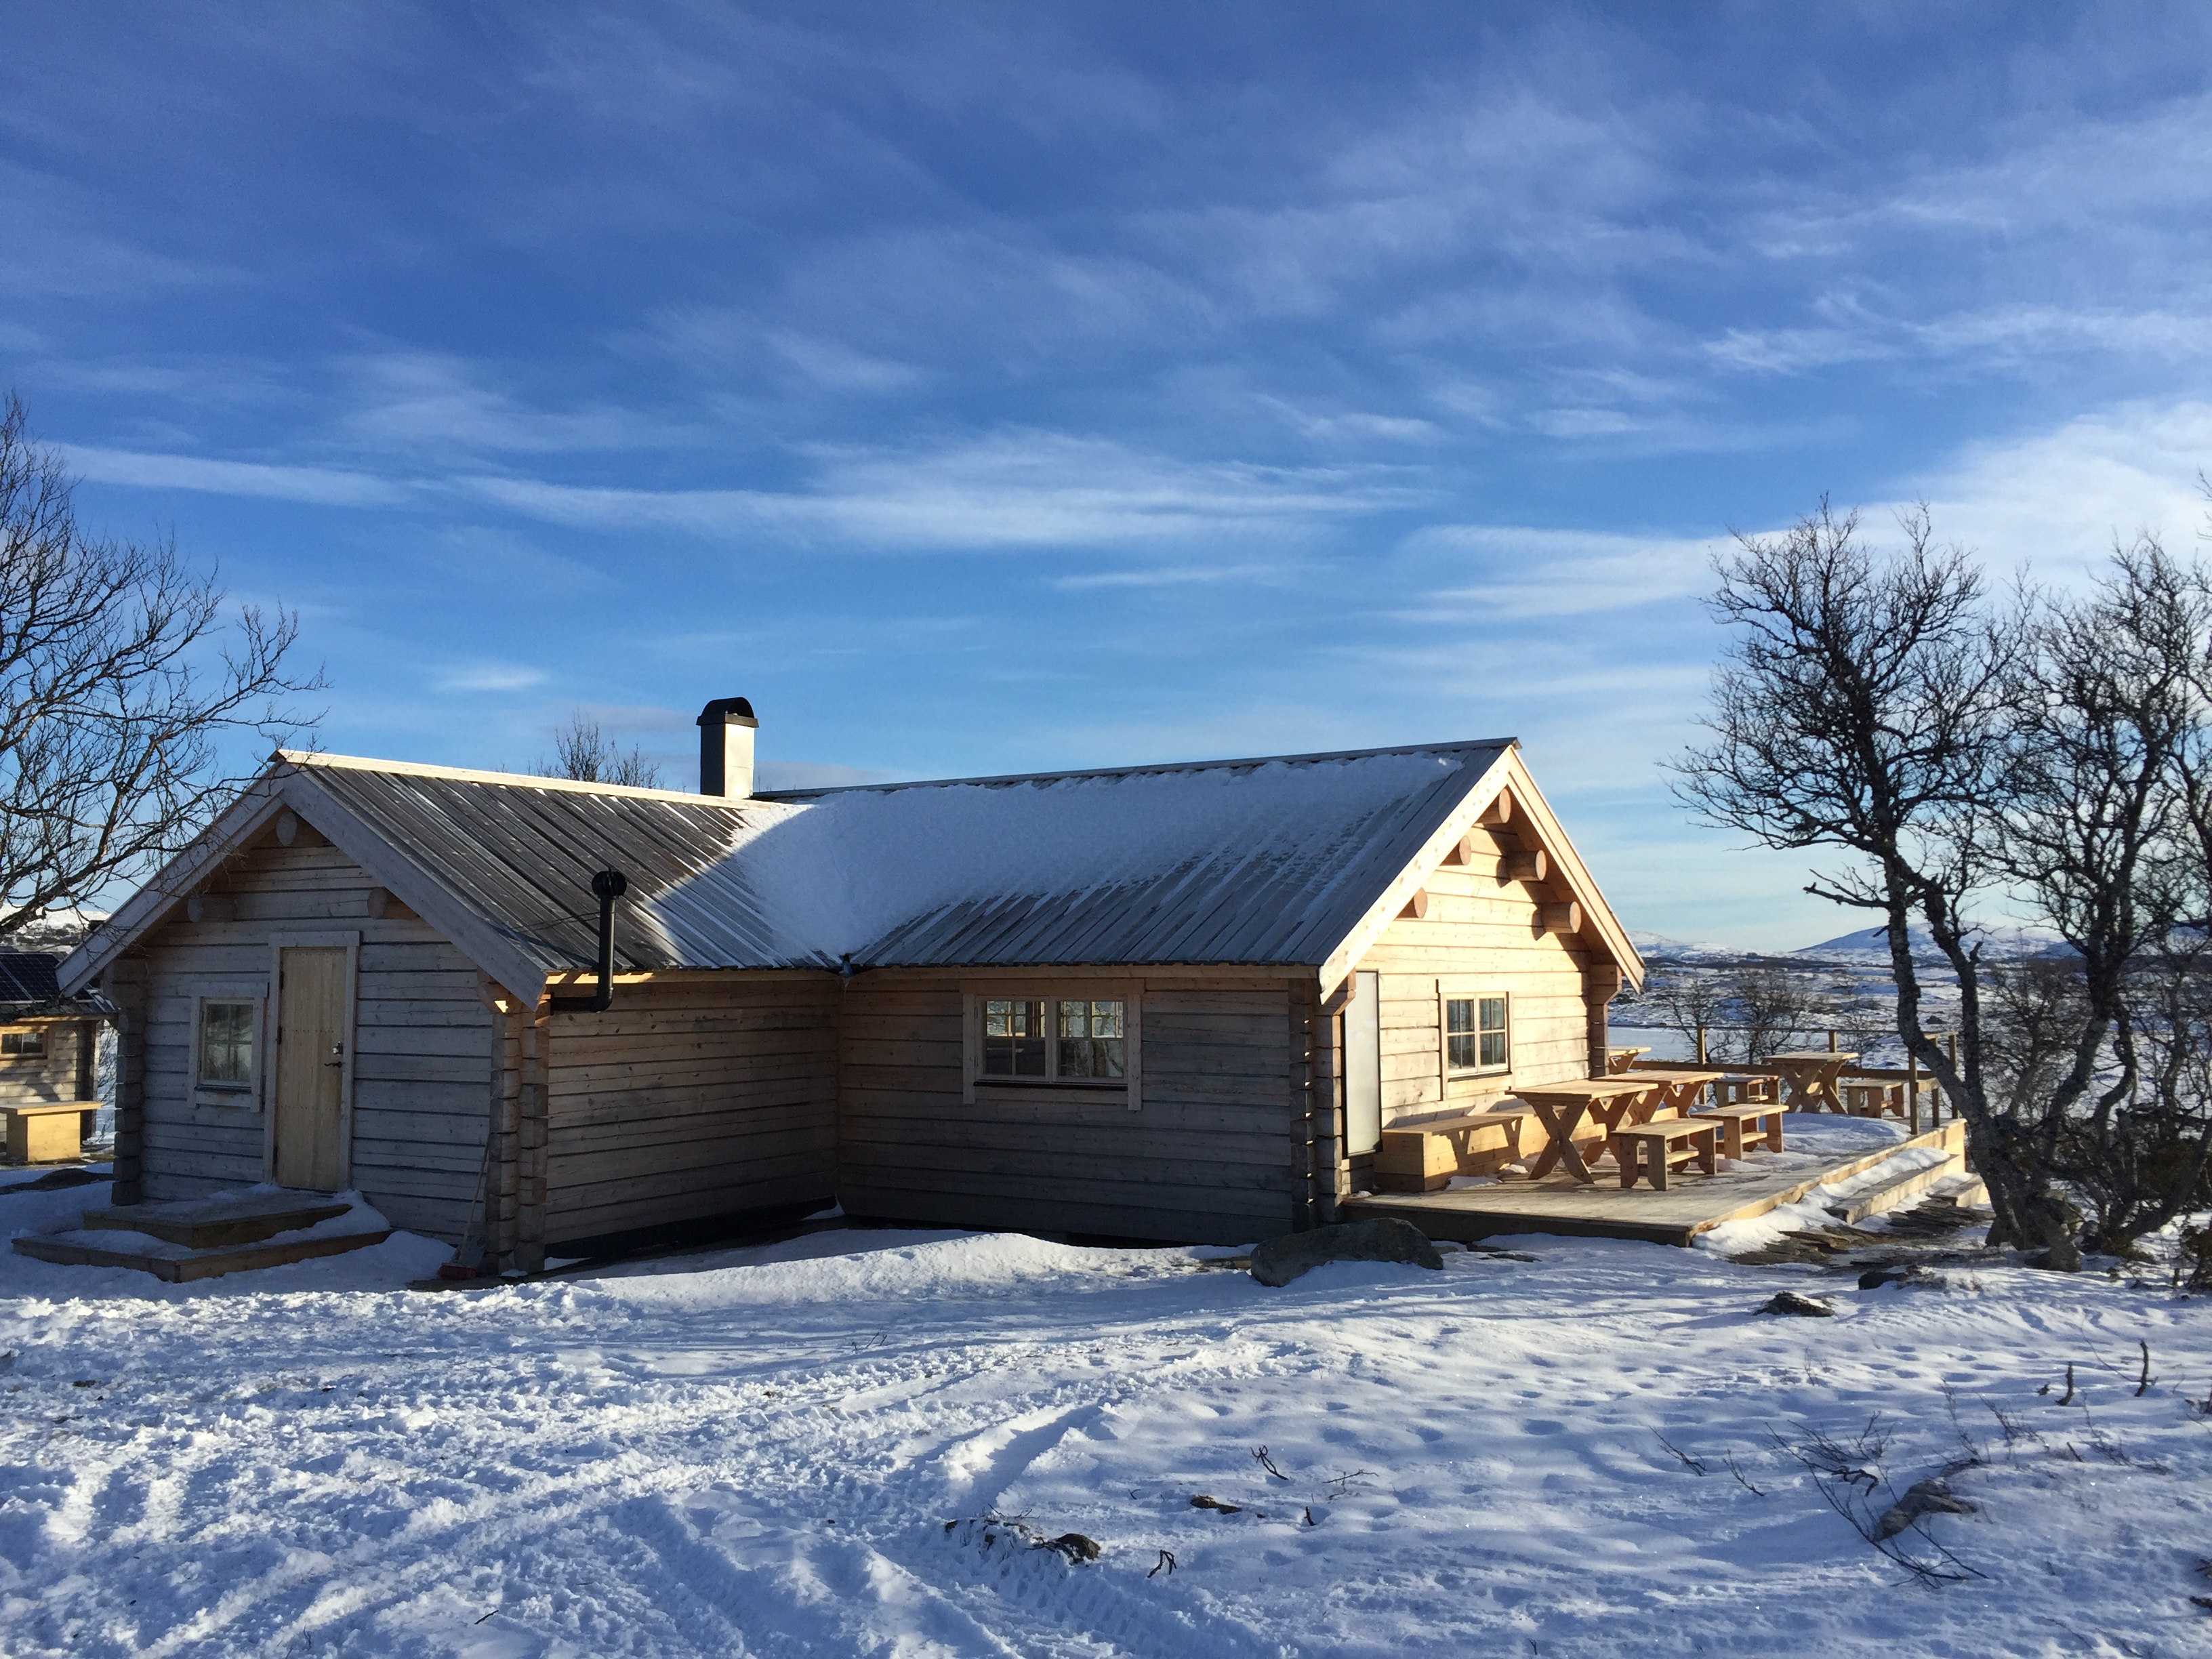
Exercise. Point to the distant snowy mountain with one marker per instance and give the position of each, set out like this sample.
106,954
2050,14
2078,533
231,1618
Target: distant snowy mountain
1657,947
2001,942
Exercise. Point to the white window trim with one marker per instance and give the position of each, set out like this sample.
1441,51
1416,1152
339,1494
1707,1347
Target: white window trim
248,1097
278,943
1460,990
1031,1090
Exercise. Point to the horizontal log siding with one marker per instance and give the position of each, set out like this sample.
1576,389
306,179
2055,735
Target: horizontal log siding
1207,1158
421,1041
46,1079
689,1100
1482,932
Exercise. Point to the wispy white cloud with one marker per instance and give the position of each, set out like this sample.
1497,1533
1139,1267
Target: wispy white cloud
832,364
490,676
2058,499
2014,334
1176,575
58,244
323,486
1011,491
1531,573
433,404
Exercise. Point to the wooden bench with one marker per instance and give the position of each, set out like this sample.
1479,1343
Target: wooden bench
1764,1118
1739,1088
1421,1157
1652,1149
1873,1099
48,1133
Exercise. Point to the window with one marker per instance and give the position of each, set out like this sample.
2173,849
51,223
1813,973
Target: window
1082,1049
26,1044
1013,1039
1090,1039
1054,1038
226,1045
1475,1033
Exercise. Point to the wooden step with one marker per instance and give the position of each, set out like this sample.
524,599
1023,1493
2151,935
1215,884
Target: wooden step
1895,1193
211,1224
200,1264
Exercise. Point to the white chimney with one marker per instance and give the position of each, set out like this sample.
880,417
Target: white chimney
726,748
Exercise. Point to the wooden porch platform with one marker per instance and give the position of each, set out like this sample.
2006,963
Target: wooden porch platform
1690,1206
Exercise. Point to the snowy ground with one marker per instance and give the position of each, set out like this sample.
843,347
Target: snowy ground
760,1452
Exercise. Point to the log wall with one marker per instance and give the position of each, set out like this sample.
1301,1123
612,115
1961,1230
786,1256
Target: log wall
1481,932
60,1074
421,1045
687,1099
1213,1153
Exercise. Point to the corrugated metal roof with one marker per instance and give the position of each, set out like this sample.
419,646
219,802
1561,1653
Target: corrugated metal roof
1246,861
520,854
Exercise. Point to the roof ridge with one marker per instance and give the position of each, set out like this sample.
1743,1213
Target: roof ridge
306,757
1155,767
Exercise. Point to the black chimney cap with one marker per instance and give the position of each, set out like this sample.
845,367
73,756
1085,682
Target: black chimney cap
727,711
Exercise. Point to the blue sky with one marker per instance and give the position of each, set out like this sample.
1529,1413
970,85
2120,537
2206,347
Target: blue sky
990,389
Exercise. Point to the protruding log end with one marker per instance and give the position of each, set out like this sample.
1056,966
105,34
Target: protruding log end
1560,918
1525,866
1416,906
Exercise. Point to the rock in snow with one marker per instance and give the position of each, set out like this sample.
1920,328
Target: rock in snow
1805,1307
1281,1260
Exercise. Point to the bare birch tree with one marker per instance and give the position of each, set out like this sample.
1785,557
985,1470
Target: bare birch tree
582,751
121,676
1891,709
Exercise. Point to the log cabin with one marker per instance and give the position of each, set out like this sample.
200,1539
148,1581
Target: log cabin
1175,1002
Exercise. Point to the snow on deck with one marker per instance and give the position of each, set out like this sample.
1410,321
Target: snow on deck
759,1452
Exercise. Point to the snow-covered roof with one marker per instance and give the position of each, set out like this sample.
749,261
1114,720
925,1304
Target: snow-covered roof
1276,860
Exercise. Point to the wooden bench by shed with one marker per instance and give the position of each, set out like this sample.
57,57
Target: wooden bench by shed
49,1134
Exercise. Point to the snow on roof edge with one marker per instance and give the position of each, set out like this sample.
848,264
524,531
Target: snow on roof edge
1144,769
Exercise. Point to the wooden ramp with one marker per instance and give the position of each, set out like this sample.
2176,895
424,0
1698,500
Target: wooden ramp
1558,1204
202,1238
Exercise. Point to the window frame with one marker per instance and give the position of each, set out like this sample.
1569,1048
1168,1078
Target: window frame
229,1096
1477,992
976,1087
21,1053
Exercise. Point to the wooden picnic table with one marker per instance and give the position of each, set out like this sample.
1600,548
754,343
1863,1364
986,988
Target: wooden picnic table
1811,1078
1617,1061
1561,1108
1681,1086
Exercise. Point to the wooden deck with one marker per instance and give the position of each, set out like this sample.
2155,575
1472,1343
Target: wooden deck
1559,1204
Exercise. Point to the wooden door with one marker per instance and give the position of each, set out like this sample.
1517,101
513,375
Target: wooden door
1363,1067
311,1030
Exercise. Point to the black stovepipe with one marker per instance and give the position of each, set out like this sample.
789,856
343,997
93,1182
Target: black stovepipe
609,886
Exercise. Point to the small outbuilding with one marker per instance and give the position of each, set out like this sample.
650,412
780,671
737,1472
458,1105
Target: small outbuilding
1166,1002
49,1059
